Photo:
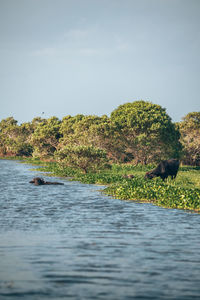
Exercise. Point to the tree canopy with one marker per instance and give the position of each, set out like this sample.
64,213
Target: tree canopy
147,130
83,157
136,132
45,137
190,138
14,138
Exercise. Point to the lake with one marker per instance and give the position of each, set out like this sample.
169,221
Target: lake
72,242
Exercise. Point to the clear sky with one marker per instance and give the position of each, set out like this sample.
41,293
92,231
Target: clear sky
68,57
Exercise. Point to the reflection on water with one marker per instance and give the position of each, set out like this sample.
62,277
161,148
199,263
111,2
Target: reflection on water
72,242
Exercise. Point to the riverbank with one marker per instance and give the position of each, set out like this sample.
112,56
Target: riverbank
182,193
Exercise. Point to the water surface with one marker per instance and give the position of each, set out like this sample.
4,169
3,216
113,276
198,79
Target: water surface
72,242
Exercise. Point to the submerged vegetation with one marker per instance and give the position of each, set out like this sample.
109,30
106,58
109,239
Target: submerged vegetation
102,150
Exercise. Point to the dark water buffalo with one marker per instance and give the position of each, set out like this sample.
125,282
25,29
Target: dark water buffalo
40,181
164,169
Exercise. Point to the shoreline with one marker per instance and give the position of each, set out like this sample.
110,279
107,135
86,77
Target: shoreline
179,194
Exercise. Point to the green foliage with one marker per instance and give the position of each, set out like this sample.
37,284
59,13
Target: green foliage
148,131
45,137
162,194
98,178
82,157
129,168
190,138
14,138
138,132
91,130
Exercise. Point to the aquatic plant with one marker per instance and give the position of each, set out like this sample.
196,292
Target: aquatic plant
161,193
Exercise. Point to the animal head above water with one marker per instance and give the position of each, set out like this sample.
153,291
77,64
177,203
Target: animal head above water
40,181
37,181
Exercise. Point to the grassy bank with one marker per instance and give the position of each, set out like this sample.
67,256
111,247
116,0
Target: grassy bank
168,194
182,193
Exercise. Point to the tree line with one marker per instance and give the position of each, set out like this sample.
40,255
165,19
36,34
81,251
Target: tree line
136,132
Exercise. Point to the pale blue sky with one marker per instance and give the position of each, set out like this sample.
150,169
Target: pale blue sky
66,57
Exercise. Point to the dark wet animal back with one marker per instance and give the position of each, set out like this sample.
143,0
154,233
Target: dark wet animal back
40,181
164,169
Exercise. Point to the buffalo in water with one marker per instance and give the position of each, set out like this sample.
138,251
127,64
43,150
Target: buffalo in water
40,181
164,169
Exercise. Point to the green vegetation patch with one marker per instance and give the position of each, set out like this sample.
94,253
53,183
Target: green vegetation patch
156,191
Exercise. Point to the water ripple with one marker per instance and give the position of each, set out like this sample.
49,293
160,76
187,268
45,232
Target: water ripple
72,242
